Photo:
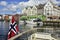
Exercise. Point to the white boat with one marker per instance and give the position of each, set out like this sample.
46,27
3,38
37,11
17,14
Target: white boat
41,36
21,22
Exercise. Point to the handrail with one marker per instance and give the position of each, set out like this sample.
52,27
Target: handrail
26,32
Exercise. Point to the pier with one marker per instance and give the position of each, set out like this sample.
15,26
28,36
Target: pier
51,23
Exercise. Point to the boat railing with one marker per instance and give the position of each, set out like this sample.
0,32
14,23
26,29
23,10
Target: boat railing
29,32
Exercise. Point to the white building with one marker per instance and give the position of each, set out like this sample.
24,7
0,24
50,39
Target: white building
48,9
30,10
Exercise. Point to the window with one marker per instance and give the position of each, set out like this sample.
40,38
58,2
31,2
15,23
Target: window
59,17
47,13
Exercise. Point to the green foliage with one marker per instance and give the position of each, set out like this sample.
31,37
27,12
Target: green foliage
42,17
23,18
31,17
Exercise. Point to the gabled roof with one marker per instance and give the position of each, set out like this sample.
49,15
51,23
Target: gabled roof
40,6
54,5
28,7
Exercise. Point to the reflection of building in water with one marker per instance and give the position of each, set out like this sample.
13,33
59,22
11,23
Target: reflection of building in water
36,34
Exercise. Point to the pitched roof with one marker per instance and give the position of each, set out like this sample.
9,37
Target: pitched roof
54,5
40,6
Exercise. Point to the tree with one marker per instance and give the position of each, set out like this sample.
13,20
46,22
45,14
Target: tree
23,18
42,17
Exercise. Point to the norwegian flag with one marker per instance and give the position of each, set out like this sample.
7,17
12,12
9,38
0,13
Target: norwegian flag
13,28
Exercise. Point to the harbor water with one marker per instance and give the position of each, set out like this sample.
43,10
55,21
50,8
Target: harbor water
4,28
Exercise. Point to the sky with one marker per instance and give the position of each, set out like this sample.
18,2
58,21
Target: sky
16,6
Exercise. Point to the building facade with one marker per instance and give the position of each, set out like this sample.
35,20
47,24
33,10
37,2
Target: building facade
48,9
30,10
51,11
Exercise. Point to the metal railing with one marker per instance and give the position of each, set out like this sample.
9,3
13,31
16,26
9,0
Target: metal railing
34,30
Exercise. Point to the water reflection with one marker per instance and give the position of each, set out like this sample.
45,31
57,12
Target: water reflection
4,27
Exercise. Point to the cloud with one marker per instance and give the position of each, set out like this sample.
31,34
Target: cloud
35,2
3,3
32,2
18,12
21,5
4,9
12,7
55,2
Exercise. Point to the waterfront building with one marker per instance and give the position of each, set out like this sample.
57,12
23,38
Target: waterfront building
3,16
0,16
6,17
32,10
10,17
49,9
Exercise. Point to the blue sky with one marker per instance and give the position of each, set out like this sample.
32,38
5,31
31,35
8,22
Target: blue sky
5,3
16,6
14,0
